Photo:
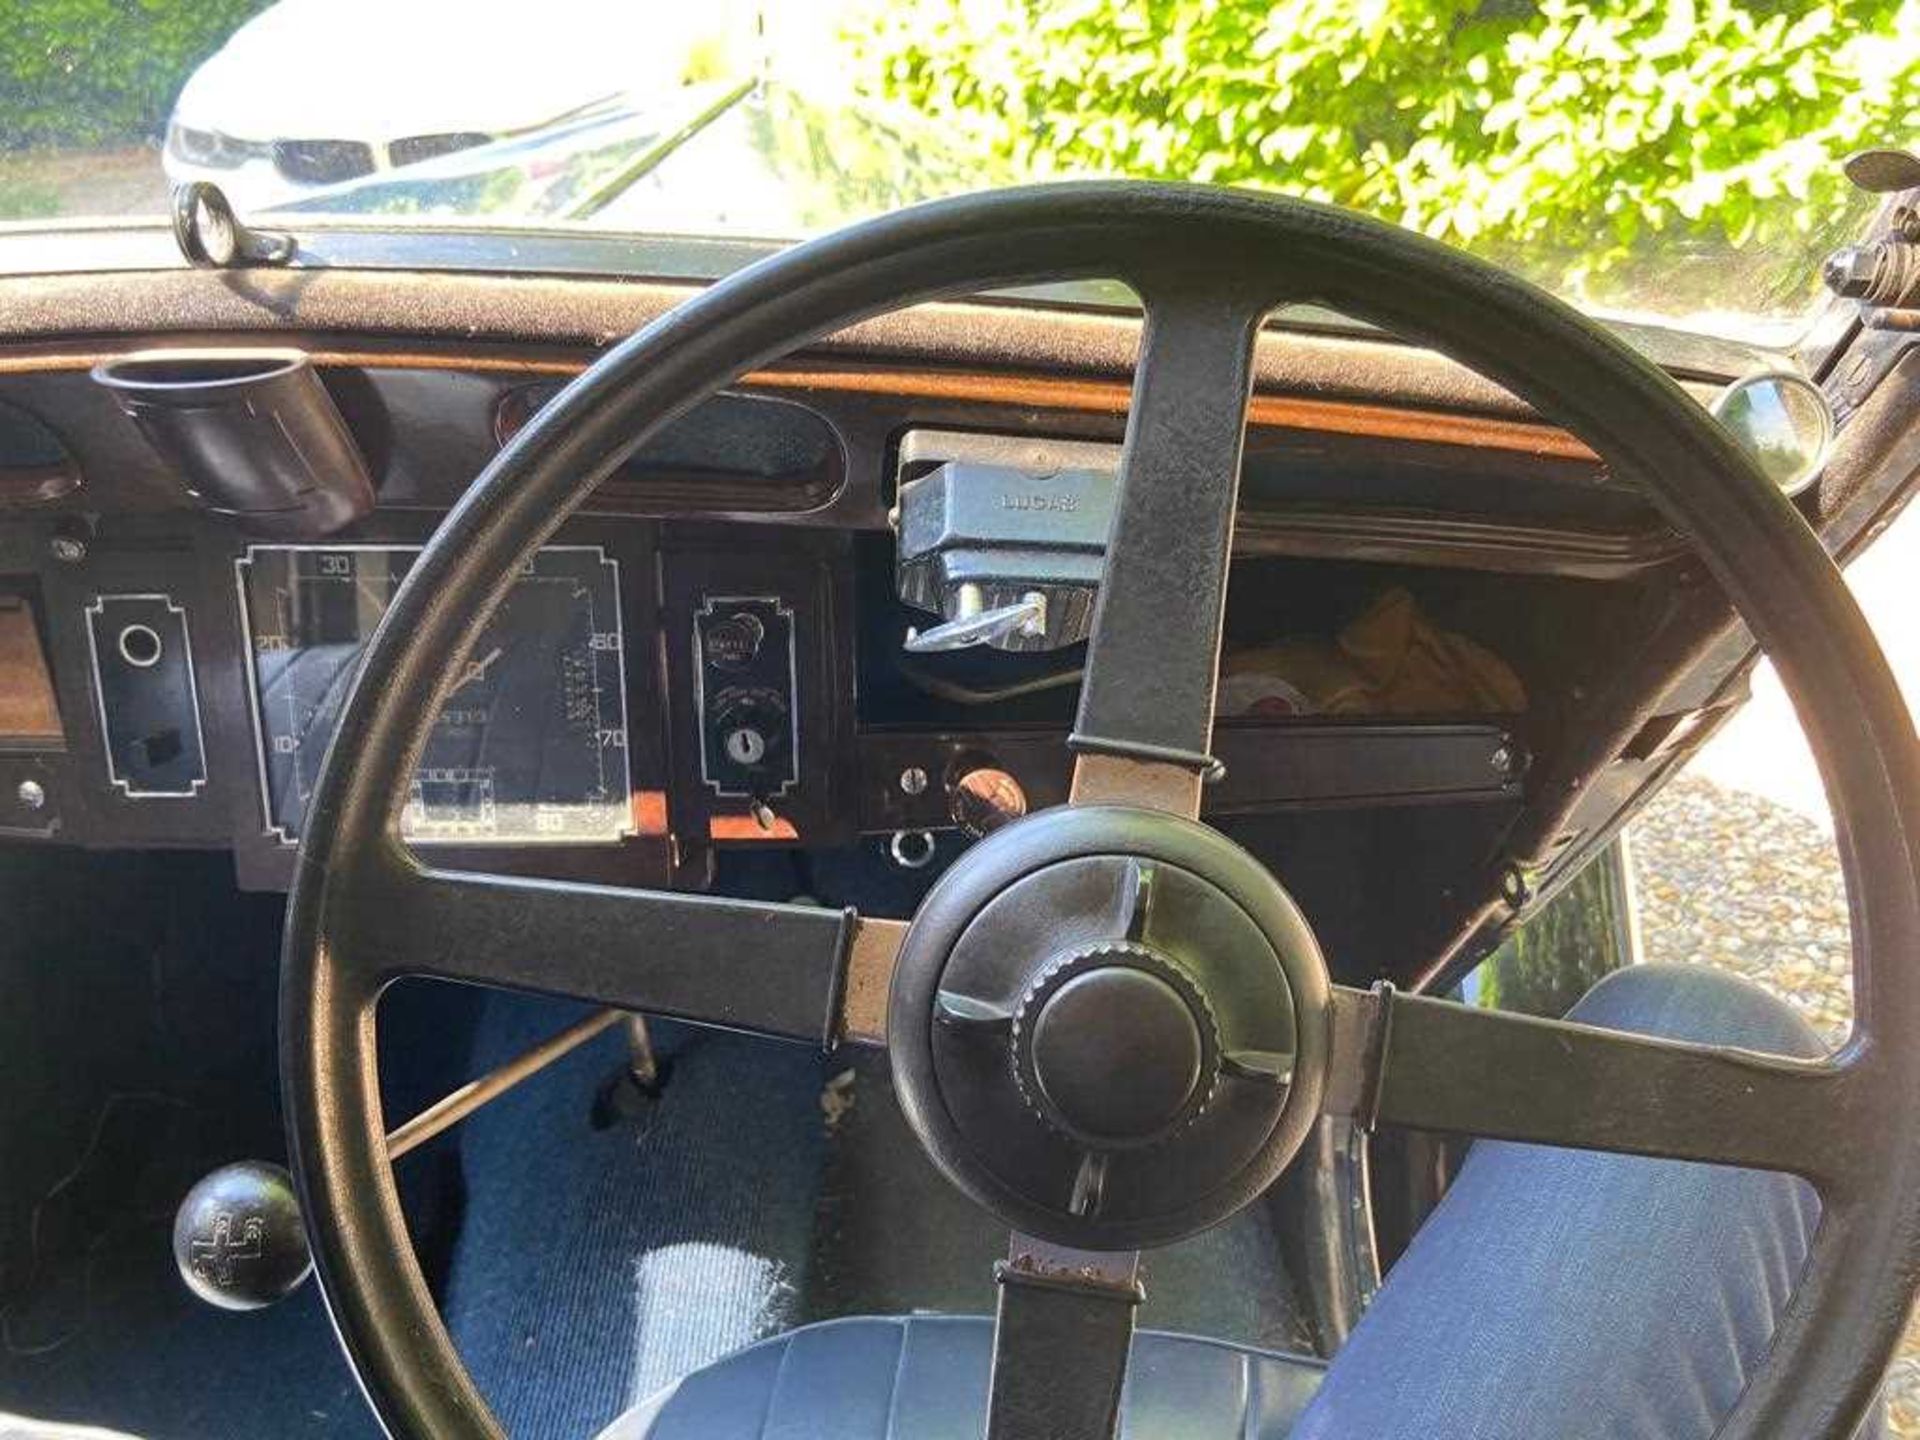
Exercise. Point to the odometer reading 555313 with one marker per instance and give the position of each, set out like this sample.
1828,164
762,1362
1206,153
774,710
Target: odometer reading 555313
530,747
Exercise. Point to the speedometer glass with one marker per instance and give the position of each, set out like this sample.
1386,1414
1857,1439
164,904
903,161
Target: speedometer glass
530,747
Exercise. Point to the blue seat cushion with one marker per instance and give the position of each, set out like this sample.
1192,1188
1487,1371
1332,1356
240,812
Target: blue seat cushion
924,1377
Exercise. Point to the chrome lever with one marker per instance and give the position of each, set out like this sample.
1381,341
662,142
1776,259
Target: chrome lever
974,625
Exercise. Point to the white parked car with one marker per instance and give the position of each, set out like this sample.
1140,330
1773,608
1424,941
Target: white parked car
313,94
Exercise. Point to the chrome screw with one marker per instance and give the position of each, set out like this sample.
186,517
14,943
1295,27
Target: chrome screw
31,794
913,781
68,549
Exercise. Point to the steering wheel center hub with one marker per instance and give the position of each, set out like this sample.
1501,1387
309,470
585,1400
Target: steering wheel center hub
1108,1026
1116,1053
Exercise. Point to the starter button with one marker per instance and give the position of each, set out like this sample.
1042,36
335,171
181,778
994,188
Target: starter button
732,643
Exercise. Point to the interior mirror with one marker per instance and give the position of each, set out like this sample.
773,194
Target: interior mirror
1782,420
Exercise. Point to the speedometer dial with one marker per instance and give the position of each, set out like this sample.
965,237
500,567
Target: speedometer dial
531,745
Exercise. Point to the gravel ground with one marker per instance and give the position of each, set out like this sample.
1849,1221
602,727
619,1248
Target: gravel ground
1725,877
1730,878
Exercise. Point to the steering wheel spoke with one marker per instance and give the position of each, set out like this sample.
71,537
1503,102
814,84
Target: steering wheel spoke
1430,1064
770,969
1145,727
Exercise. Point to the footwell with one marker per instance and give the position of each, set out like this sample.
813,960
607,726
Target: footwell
595,1266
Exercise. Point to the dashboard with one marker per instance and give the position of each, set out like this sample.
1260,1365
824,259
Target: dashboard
739,643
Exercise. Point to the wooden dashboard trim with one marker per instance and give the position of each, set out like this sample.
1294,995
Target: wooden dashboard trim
29,714
1038,392
1106,397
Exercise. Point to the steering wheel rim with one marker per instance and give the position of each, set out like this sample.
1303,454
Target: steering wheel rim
1848,1309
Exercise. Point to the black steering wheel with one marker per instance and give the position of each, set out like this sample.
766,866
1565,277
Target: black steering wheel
1118,925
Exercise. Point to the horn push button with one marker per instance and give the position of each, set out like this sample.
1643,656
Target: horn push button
1116,1056
1109,1027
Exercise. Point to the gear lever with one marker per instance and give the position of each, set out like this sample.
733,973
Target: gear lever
238,1238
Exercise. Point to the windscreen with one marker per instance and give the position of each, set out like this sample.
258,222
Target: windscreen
1670,160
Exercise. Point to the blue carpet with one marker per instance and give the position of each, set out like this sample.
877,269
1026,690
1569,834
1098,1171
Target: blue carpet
595,1266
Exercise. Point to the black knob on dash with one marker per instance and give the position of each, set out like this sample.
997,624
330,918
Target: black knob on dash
983,798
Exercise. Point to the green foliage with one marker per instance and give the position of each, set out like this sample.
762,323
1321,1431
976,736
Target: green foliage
1562,952
27,199
93,72
1573,135
834,161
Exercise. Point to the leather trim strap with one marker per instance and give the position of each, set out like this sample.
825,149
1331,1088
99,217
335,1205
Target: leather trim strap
1061,1338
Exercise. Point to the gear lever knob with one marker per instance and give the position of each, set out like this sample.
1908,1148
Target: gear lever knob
238,1237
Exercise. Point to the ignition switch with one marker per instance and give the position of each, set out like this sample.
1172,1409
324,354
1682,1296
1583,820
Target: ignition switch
749,722
746,745
751,725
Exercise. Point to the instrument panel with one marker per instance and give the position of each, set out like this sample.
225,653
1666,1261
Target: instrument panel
714,655
530,747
